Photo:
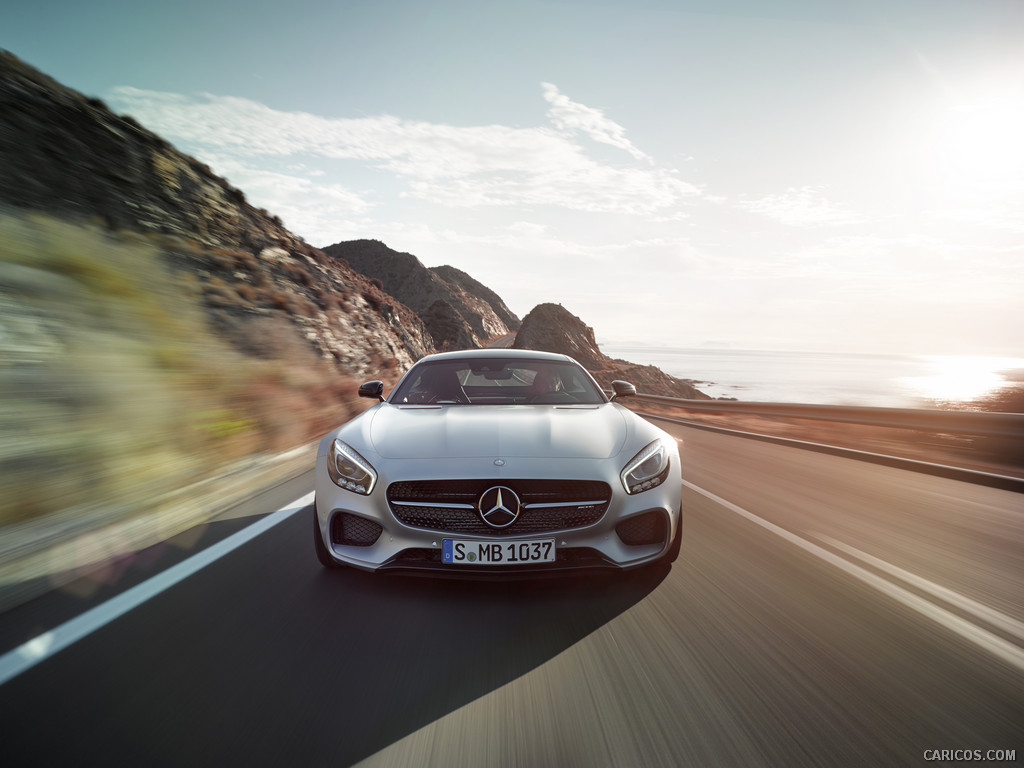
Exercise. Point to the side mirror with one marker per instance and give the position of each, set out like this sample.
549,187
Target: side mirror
623,389
372,389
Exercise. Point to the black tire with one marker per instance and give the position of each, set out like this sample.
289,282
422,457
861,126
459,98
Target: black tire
321,549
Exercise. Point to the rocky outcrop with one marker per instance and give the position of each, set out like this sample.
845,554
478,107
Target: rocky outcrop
478,296
552,328
459,312
648,380
71,157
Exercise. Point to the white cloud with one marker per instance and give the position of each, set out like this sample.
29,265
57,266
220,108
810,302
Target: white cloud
571,116
910,269
416,149
451,165
537,239
316,209
296,188
588,187
800,207
543,256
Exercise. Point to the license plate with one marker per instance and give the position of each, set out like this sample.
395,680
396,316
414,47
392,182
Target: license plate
460,552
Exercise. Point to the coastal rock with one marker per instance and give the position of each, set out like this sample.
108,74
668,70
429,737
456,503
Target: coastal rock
552,328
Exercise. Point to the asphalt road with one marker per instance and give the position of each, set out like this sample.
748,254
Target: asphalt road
823,612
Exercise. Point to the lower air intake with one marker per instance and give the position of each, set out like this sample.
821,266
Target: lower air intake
354,531
648,528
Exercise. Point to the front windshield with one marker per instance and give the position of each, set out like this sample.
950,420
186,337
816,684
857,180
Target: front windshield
498,381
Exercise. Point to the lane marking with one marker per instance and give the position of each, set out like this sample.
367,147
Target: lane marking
1008,624
997,646
43,646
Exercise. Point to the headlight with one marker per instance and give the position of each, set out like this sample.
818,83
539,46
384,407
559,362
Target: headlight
648,469
349,470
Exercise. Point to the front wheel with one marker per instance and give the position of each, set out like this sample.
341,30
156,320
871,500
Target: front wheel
318,543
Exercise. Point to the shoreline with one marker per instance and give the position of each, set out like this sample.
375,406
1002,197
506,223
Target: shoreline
835,378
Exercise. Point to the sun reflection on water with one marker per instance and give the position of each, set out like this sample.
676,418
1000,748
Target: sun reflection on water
965,378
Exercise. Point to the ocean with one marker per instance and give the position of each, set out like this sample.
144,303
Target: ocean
894,381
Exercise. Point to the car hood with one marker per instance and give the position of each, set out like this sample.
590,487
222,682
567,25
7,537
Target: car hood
460,431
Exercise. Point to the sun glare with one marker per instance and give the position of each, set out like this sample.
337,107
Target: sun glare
962,379
978,140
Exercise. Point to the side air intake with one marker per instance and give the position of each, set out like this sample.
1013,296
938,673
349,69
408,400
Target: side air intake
648,528
354,531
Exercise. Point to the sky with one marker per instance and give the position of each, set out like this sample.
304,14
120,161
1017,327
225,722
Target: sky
793,175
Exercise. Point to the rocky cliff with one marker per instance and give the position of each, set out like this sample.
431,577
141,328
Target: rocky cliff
359,305
156,326
477,295
552,328
69,156
459,312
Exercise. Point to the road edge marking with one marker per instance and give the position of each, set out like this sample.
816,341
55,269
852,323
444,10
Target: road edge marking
45,645
960,474
997,646
1007,624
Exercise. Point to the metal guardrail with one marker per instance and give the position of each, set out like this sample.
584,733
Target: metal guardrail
958,422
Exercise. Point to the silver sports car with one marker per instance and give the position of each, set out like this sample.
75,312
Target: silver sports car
493,462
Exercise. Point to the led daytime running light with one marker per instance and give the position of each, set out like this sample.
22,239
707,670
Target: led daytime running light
349,470
636,481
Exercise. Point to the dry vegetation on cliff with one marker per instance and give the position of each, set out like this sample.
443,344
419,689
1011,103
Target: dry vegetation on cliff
115,388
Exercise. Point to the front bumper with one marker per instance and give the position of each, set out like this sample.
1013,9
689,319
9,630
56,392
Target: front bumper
363,532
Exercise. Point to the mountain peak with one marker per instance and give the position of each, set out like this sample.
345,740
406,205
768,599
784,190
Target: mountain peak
459,312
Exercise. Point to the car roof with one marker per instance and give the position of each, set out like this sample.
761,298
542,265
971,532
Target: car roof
522,354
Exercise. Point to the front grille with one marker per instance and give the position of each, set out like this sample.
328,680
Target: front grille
450,506
648,528
354,531
468,491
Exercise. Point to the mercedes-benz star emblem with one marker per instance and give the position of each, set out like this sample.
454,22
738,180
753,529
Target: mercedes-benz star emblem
499,506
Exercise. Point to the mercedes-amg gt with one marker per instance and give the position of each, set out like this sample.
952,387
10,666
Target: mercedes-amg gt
493,462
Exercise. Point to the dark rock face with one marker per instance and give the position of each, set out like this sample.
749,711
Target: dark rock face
473,314
444,322
552,328
475,290
68,154
71,157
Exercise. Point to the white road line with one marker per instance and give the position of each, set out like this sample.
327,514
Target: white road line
992,643
1006,623
40,648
